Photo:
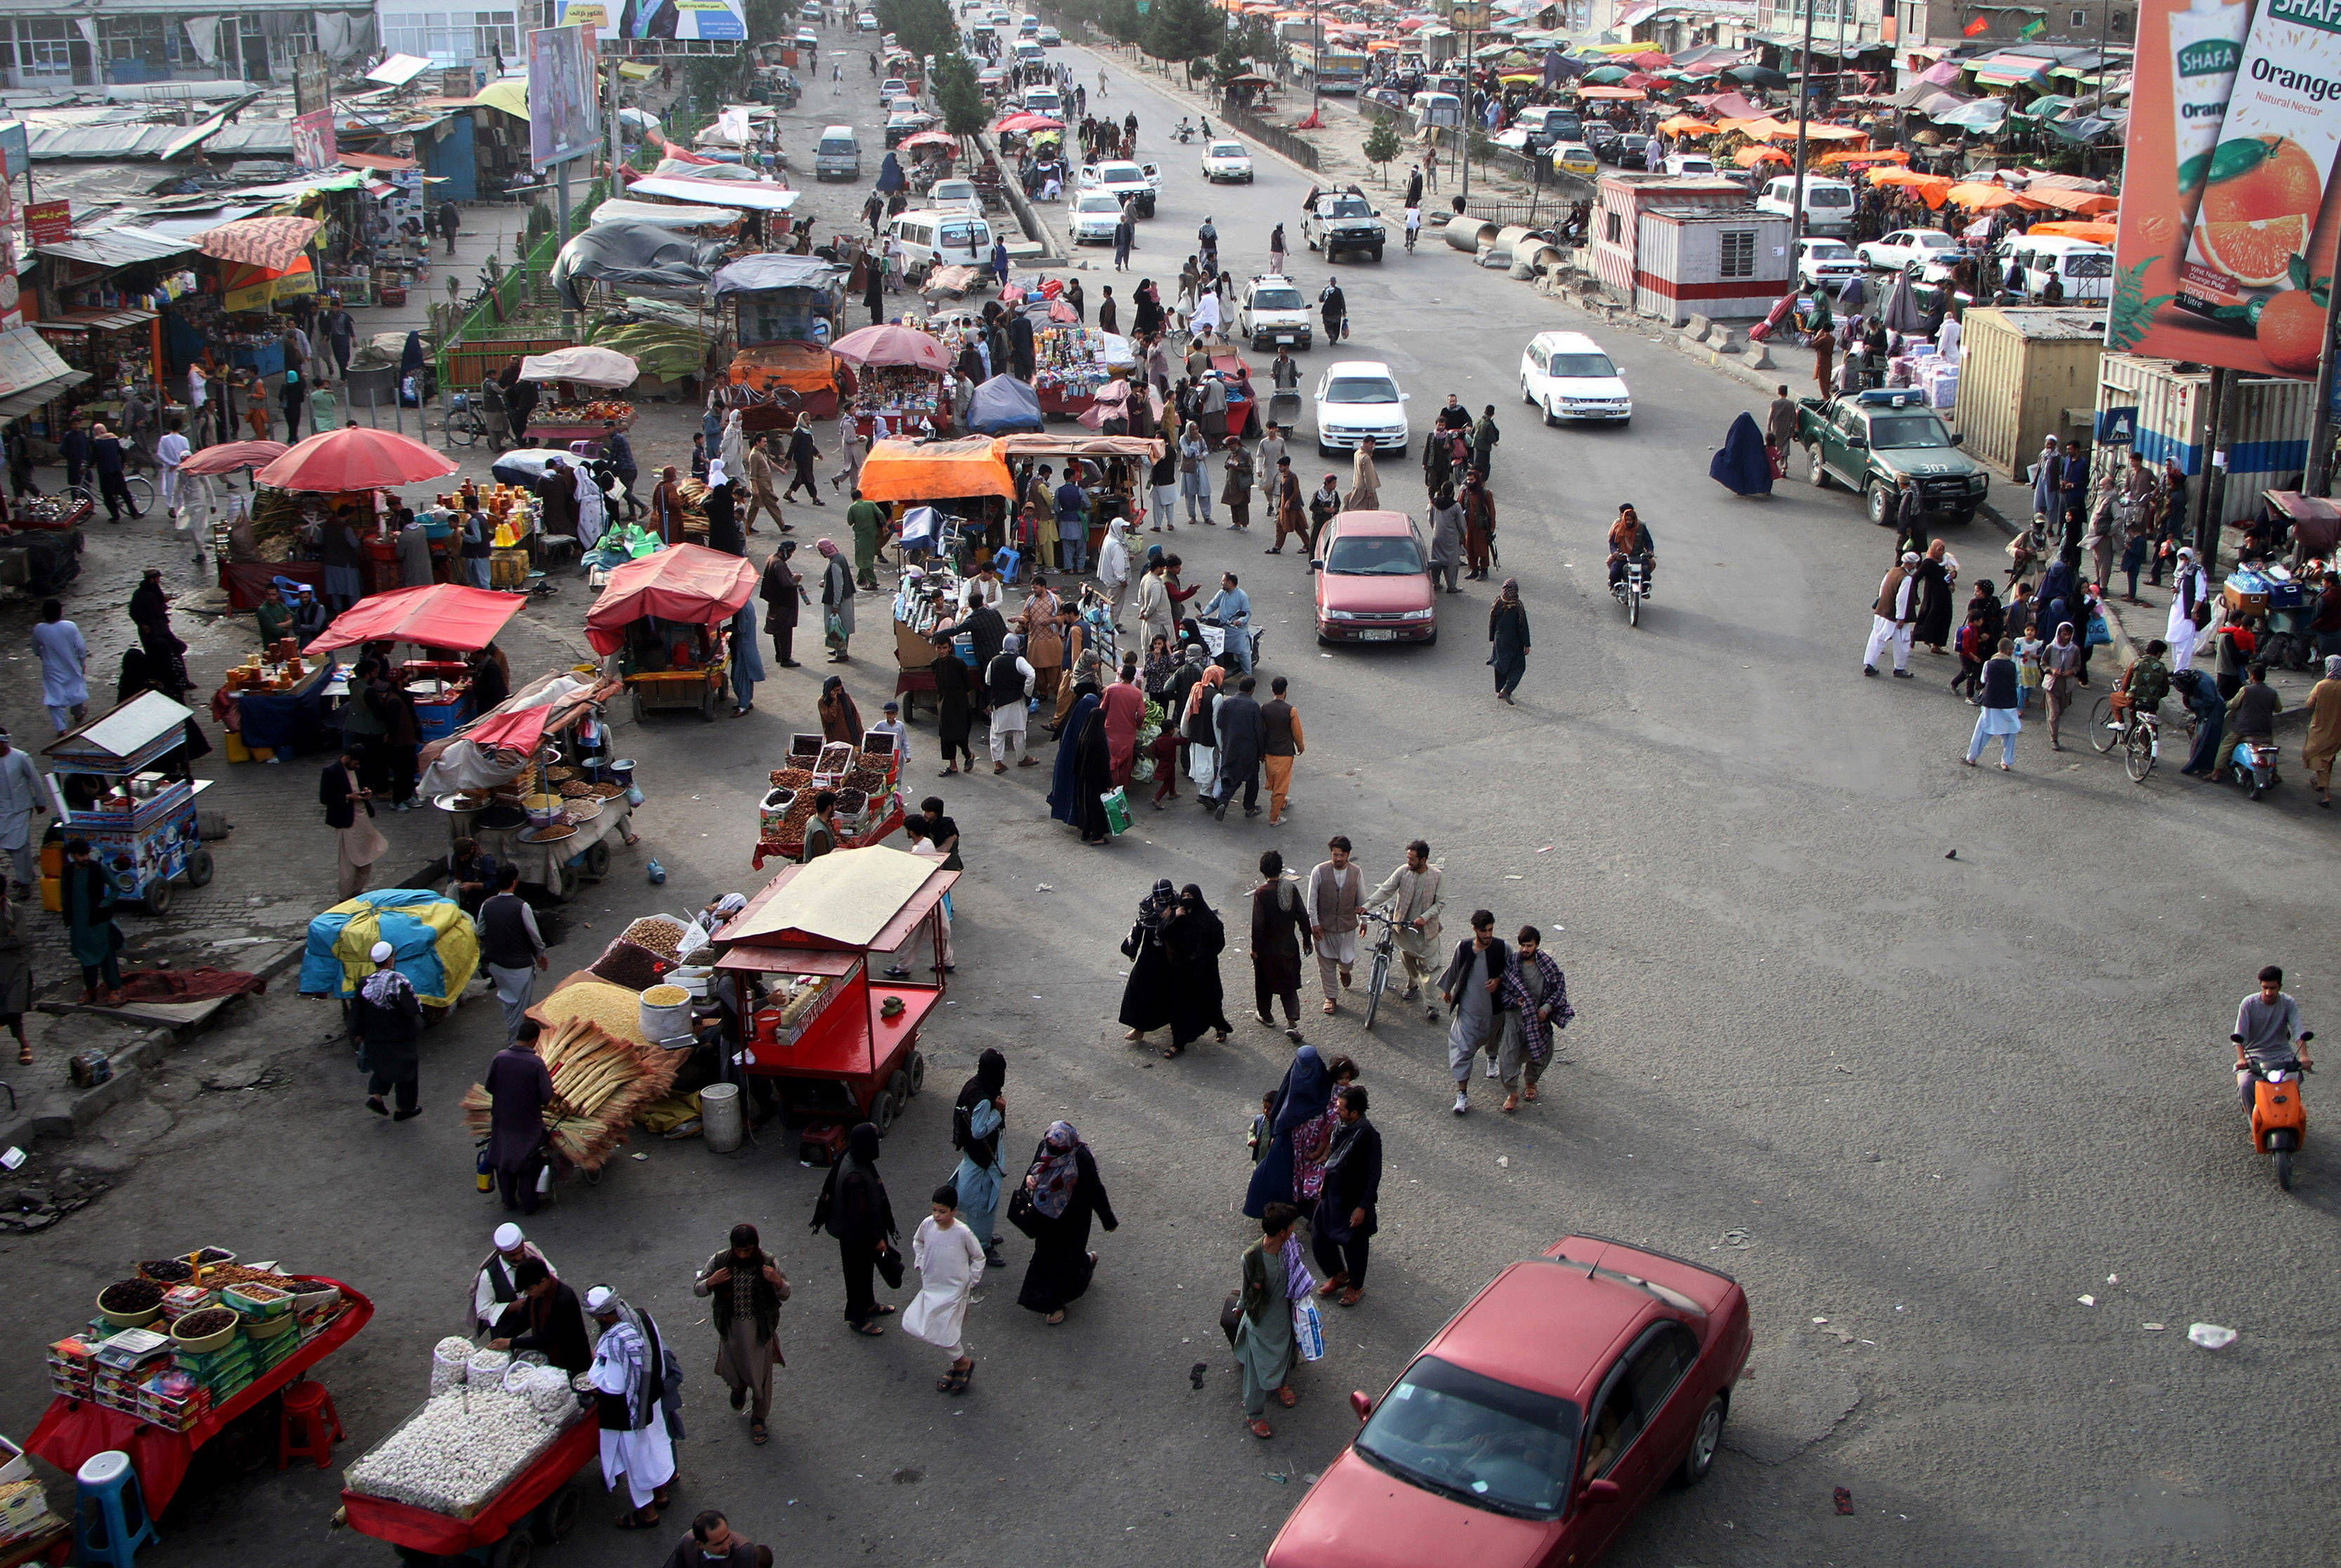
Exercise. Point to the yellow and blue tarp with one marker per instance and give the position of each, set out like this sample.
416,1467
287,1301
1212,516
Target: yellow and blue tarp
434,945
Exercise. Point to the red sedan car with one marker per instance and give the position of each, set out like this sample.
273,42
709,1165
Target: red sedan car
1530,1429
1373,581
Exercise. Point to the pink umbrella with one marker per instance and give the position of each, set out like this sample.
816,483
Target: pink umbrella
892,345
1023,124
229,456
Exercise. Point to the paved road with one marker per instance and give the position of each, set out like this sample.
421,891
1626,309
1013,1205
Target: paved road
1930,1101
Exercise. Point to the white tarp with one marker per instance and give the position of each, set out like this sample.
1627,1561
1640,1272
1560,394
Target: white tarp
759,194
620,211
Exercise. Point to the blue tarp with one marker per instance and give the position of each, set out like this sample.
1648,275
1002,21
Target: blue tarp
437,947
1004,406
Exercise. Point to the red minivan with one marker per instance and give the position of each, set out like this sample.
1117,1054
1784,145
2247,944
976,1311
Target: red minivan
1373,581
1530,1429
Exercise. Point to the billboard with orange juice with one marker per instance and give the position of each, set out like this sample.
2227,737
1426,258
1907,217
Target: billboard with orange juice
2229,210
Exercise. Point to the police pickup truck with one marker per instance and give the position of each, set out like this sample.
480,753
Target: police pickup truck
1870,441
1334,221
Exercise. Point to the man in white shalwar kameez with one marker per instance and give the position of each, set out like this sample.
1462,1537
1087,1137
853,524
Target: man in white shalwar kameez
628,1376
21,794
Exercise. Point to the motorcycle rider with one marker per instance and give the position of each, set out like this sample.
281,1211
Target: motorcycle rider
2251,722
1630,537
2267,1032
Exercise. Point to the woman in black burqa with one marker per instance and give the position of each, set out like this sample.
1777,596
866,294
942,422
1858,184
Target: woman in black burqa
1146,1001
1065,1193
853,1208
1195,938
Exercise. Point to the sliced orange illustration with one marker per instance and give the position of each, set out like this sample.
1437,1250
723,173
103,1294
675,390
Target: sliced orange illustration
2255,255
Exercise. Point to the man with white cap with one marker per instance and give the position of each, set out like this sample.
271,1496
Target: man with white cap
629,1379
388,1016
1008,683
496,1292
1896,614
2190,610
21,795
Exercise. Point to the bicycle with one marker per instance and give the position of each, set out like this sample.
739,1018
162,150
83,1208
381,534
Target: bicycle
2106,732
1378,972
140,489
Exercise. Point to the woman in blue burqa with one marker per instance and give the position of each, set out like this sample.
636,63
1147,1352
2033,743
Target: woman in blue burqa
1300,1099
1744,466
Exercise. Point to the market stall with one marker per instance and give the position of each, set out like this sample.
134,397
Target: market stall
836,1043
902,383
1070,362
866,780
533,782
336,478
178,1351
115,784
1114,471
565,416
667,617
785,310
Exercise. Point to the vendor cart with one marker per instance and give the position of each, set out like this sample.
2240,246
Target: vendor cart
838,1042
115,786
1243,406
549,739
668,615
433,943
536,1504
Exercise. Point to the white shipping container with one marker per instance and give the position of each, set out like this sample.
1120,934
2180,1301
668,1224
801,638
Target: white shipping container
2266,434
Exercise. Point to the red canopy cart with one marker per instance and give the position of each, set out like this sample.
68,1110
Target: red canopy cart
840,1044
689,586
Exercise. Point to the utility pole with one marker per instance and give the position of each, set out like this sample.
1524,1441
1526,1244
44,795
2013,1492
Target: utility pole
1804,114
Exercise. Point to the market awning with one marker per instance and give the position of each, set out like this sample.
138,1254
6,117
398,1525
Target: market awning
229,456
687,583
892,345
243,286
2075,229
509,95
619,210
355,458
1047,445
270,242
438,615
123,245
966,466
773,270
584,365
759,194
2088,204
31,372
399,70
1979,197
375,161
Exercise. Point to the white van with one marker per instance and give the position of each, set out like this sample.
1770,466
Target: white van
2085,267
951,237
1437,109
1828,203
1044,101
1029,53
838,155
1681,163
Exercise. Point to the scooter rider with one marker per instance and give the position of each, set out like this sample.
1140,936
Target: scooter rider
2267,1032
1630,537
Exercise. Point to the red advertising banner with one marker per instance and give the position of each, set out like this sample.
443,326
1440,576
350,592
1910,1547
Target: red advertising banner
313,150
2230,208
47,221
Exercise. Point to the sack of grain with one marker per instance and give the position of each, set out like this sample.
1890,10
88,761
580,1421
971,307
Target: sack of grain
448,1359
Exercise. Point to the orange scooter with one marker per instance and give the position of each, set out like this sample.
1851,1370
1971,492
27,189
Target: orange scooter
2280,1120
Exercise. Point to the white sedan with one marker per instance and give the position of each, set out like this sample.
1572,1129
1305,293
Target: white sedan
1274,312
1133,183
1825,261
1905,248
1357,398
1094,218
1227,161
955,193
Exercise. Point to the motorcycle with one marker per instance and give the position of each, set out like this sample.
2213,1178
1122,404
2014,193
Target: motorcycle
2246,755
2279,1121
1633,585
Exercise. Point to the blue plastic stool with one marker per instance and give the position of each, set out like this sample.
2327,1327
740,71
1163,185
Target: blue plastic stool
1007,561
109,1497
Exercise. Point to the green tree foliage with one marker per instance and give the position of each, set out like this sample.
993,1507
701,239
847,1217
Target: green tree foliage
1182,30
1231,61
1121,18
957,95
1382,145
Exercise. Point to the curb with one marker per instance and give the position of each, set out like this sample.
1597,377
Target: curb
66,1115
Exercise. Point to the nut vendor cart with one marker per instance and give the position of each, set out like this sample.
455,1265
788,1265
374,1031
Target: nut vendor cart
533,784
140,822
668,617
839,1044
867,781
536,1504
81,1424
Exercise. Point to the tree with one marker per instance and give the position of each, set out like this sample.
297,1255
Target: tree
1183,30
1121,18
1382,145
1231,61
957,95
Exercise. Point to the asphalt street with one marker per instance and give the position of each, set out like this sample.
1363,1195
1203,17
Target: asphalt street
1922,1055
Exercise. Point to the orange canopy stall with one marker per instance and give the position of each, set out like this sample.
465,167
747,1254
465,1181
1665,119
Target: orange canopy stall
1755,153
966,465
1979,197
1861,160
1929,188
1685,126
2072,229
2082,204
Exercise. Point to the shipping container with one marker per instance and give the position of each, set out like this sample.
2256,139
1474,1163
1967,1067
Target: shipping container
1721,262
1620,202
2266,422
2026,374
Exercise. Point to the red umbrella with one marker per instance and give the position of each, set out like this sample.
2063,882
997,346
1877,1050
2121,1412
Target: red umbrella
435,615
229,456
359,459
892,345
1023,124
1650,60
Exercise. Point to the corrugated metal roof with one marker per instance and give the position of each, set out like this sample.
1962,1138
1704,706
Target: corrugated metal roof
124,244
94,320
138,139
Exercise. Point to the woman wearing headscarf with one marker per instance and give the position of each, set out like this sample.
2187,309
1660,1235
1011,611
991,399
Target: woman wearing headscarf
1093,776
1937,574
2055,598
1066,1195
1064,784
748,662
734,449
1743,465
853,1207
1202,736
1313,1140
592,505
1300,1099
840,719
721,506
953,717
1194,938
1122,708
837,591
1161,664
166,653
1507,629
977,1119
2060,670
1146,998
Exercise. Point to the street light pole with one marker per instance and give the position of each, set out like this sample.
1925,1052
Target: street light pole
1804,114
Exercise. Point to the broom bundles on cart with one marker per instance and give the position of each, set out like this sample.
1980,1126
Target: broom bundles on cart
603,1074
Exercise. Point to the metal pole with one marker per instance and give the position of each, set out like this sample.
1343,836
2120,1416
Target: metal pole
2207,524
1469,121
568,317
1804,113
2318,479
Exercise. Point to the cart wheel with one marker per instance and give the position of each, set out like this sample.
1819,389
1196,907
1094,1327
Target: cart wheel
917,1071
887,1104
592,1177
597,859
707,706
639,709
558,1517
517,1550
157,896
199,868
565,883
